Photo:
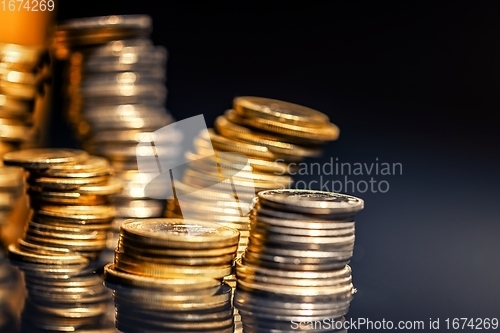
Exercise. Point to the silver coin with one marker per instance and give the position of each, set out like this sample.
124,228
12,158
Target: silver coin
123,78
310,201
114,21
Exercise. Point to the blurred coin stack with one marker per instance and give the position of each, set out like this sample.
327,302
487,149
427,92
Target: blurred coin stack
7,291
167,273
115,89
24,73
12,187
71,217
295,269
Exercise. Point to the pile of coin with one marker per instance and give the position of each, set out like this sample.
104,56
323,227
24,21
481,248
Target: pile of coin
249,151
71,216
115,89
251,148
295,268
24,74
167,276
69,193
64,292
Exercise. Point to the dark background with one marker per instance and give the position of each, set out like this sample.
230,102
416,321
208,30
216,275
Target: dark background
411,83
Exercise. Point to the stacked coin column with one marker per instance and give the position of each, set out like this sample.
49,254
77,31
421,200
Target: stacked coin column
71,217
295,272
24,74
115,87
24,79
166,276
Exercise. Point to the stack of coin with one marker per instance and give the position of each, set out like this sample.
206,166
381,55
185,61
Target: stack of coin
115,89
167,276
64,292
295,268
24,73
71,217
69,193
253,145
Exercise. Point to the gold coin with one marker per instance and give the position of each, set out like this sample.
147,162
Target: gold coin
44,158
111,274
281,111
177,233
66,184
130,246
94,166
11,177
43,250
164,260
68,198
252,149
327,132
13,130
35,231
81,213
61,259
173,271
113,186
274,143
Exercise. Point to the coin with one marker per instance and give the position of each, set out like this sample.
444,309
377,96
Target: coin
181,284
310,201
44,158
251,106
180,233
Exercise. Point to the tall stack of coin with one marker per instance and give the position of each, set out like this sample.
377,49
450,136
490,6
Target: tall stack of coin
167,275
115,87
295,269
24,73
71,217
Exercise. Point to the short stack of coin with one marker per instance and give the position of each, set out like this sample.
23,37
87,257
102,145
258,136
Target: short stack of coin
68,192
167,276
24,73
295,268
64,292
115,88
